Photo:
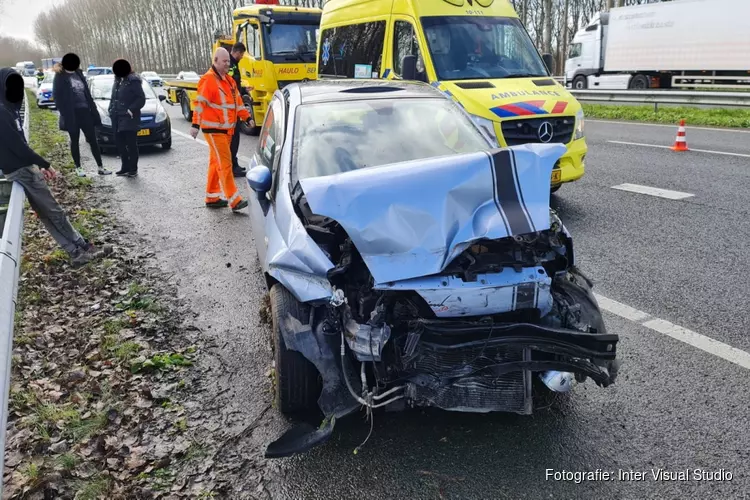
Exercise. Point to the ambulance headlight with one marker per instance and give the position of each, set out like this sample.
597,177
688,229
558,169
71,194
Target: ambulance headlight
579,125
488,126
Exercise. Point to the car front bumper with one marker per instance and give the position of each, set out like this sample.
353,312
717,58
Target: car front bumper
158,133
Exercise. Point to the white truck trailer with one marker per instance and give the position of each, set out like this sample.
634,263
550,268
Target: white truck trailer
679,43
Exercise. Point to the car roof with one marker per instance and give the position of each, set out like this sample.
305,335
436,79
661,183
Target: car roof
326,90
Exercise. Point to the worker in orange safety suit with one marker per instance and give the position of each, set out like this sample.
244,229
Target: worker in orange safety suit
215,112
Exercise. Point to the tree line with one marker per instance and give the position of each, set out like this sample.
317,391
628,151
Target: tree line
174,35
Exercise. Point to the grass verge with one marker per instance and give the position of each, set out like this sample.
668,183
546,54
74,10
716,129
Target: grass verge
717,117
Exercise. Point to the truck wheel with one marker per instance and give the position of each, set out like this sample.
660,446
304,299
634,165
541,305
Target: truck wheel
185,104
580,83
640,82
297,383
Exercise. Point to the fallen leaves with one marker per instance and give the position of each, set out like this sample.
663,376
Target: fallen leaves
82,423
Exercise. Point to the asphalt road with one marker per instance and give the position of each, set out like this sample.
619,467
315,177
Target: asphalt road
675,406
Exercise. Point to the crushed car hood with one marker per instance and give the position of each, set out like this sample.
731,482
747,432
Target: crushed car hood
412,219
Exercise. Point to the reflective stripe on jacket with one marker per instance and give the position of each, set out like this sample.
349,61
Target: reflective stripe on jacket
218,104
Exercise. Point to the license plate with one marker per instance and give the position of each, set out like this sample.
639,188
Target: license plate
556,177
144,131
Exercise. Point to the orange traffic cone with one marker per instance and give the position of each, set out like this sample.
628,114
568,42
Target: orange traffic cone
680,142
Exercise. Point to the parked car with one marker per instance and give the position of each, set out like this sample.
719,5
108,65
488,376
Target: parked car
153,78
188,75
410,262
97,71
156,127
44,98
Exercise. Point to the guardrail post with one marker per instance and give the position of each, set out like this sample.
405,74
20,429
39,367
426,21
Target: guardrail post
10,266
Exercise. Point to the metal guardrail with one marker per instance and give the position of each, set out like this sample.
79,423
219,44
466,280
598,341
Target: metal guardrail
10,266
656,97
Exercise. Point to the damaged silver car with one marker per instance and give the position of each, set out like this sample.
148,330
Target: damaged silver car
411,262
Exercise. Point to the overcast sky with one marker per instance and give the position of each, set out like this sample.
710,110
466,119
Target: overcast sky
17,18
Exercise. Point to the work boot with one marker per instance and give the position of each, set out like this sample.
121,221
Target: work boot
239,171
240,206
217,204
98,251
122,173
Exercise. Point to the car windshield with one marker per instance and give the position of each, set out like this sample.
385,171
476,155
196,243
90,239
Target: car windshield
291,42
96,71
49,78
189,74
331,138
470,48
101,88
148,73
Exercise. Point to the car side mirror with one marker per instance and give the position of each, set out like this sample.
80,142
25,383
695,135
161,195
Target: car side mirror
259,179
549,61
409,67
162,97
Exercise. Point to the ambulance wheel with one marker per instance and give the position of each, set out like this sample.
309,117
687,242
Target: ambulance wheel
580,83
185,104
297,384
167,144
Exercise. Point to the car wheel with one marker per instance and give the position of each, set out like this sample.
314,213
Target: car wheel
167,144
297,383
185,104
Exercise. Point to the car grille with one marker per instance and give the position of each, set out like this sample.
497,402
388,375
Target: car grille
473,388
526,131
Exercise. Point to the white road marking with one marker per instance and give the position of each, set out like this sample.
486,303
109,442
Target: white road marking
691,149
622,310
652,191
187,136
706,344
639,124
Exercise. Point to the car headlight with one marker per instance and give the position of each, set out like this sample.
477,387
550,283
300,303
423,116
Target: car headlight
161,115
579,125
487,125
106,120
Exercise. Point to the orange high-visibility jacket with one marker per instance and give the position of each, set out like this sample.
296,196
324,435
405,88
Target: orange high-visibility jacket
218,104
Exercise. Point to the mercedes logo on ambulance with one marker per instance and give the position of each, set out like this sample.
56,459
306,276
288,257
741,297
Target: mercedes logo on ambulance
545,132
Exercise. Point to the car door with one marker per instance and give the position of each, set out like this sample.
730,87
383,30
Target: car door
268,154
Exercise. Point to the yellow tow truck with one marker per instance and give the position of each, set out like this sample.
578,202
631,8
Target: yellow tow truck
281,46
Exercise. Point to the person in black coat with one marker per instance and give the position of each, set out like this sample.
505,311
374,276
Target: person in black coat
77,110
125,110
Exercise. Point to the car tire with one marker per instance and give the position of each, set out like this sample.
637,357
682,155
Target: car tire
167,144
580,83
297,384
185,105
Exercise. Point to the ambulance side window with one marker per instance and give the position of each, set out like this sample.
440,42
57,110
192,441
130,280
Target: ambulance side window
405,44
346,48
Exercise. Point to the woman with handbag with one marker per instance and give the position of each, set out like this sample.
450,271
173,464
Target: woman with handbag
78,112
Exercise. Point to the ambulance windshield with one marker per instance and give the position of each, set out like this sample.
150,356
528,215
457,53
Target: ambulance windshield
471,48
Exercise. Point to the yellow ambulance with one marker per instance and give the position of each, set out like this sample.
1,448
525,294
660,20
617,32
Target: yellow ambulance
475,51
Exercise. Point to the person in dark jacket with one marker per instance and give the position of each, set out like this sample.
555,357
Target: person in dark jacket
78,113
125,111
237,53
20,163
